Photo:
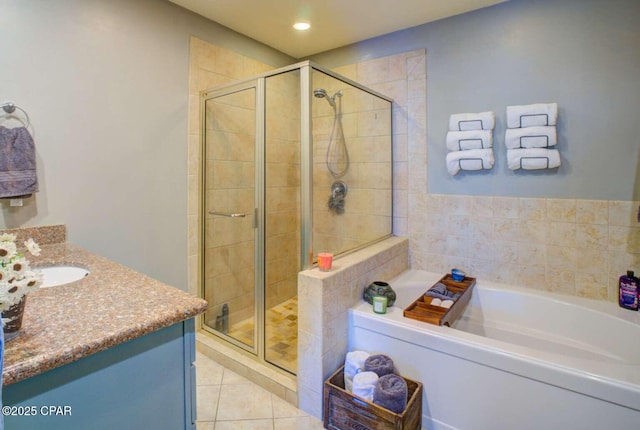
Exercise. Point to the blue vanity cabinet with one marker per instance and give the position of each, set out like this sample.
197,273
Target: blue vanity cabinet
145,383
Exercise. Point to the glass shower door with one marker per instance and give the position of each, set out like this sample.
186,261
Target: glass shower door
282,219
230,234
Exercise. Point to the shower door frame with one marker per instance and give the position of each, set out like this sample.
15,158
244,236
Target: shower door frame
306,259
258,212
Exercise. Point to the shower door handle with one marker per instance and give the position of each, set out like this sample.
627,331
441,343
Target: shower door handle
238,215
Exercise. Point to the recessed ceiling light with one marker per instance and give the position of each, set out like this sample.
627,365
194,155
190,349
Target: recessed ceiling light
302,26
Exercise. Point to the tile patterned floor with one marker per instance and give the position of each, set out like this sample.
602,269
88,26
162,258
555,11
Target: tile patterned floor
281,333
227,401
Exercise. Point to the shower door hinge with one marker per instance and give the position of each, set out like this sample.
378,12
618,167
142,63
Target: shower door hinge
255,217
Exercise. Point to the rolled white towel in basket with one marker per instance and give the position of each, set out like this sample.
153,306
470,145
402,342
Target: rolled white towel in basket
531,137
472,121
353,364
532,115
533,158
470,139
364,385
473,159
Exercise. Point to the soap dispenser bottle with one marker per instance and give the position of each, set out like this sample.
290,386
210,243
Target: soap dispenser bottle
628,291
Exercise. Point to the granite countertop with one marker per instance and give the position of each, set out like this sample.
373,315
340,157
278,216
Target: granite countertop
110,306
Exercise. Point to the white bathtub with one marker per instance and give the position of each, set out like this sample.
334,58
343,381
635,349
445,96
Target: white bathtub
516,359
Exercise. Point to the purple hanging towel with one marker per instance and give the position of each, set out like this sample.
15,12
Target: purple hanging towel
18,176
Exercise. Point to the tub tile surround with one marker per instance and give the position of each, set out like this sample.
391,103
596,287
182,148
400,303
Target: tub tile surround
568,246
324,299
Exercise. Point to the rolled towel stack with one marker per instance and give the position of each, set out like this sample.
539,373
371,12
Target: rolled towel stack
472,121
541,136
380,364
531,132
364,385
353,365
466,140
533,158
472,159
470,140
391,392
440,291
523,116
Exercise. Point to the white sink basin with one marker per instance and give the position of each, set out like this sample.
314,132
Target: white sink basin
60,275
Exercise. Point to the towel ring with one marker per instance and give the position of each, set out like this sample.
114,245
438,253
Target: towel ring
10,108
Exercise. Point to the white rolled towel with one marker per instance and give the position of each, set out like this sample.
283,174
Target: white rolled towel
531,137
472,121
473,159
470,139
533,158
532,115
353,364
364,384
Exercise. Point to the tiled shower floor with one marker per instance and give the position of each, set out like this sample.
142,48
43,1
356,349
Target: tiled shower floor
281,333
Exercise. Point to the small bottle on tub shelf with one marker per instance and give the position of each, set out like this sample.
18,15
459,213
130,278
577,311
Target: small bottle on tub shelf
628,291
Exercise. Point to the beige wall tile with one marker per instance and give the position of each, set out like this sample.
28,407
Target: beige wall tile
373,71
592,211
416,64
562,280
533,254
561,258
563,210
623,213
561,233
505,207
592,236
532,209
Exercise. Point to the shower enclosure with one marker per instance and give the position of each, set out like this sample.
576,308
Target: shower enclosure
286,175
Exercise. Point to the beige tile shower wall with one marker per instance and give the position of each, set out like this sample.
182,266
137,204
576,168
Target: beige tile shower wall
367,132
282,182
571,246
210,65
403,78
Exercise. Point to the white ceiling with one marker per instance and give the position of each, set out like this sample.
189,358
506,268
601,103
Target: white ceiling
334,23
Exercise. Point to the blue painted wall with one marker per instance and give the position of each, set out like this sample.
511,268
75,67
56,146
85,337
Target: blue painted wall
582,54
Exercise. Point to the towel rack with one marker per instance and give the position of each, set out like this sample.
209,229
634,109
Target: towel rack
228,215
10,108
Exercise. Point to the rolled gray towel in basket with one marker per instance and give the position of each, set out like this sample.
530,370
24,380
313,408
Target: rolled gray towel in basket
391,392
379,364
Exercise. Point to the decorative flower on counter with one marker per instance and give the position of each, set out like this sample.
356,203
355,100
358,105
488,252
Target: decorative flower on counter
16,277
32,247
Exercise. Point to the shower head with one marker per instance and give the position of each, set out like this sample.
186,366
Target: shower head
321,92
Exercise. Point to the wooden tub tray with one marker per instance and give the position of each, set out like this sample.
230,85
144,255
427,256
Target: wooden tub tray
422,310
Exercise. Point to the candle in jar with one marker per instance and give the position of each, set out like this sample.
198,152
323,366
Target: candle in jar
380,304
325,260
